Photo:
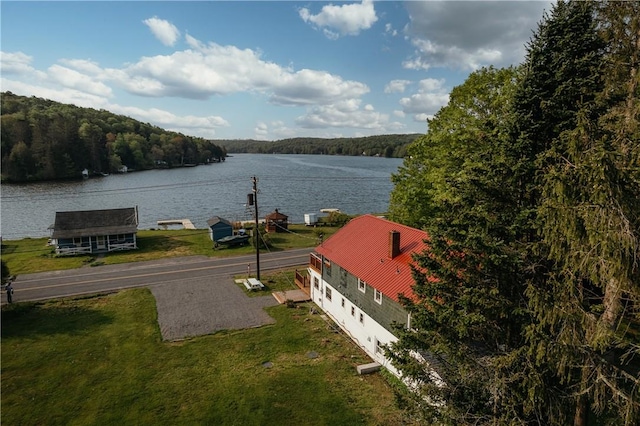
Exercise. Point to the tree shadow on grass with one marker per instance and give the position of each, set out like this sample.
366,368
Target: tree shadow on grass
50,318
8,248
161,243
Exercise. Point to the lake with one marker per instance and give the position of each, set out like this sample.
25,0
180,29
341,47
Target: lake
293,184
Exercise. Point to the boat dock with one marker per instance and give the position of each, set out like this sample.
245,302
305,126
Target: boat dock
186,223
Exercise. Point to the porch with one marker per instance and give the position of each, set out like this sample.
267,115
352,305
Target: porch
95,244
303,282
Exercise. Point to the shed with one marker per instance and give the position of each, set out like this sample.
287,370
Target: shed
219,228
277,222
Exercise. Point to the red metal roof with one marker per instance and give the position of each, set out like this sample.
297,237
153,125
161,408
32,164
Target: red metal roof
362,247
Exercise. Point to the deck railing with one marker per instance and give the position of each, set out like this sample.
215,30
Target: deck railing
303,282
121,246
73,250
315,262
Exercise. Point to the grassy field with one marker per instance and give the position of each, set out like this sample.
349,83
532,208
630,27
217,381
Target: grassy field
101,361
34,255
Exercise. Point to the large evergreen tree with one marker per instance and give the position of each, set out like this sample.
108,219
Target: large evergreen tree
589,216
527,302
461,185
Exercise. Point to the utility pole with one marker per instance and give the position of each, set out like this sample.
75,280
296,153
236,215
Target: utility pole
257,229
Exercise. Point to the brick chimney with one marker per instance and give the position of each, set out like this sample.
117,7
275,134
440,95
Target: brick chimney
394,244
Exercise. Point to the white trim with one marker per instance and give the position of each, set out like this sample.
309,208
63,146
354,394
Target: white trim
362,286
377,296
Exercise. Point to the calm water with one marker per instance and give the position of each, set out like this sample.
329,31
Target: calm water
294,184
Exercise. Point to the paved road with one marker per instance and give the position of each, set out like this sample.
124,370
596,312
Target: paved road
109,278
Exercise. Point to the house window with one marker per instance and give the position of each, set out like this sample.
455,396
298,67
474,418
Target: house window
316,283
379,347
327,267
377,296
361,318
353,311
362,286
327,293
342,302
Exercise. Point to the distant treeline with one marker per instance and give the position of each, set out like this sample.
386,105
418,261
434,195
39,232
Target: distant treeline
47,140
382,146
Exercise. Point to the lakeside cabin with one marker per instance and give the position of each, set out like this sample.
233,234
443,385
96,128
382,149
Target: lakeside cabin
95,231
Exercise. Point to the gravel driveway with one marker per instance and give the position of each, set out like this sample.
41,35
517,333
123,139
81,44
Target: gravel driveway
206,305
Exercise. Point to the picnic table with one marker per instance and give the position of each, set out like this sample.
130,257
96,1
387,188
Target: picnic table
253,284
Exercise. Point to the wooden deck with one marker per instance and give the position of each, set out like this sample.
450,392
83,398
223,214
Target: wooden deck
186,223
303,282
296,296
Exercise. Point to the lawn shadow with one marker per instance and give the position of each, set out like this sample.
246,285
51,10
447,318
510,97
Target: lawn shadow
8,248
47,318
161,242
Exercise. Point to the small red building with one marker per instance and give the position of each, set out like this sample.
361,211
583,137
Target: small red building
277,222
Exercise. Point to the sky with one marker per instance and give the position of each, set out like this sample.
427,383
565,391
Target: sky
264,70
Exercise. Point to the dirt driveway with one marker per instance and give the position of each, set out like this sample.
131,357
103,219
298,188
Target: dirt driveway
206,305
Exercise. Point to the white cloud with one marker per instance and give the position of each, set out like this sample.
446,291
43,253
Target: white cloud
261,131
347,19
212,69
396,86
188,124
83,65
469,35
163,30
64,95
15,63
309,87
19,64
388,29
422,118
431,85
344,114
430,97
73,79
204,126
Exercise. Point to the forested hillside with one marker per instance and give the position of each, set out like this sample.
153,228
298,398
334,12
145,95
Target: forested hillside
528,184
46,140
383,146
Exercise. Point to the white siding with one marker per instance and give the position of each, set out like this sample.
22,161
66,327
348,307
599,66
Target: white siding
366,334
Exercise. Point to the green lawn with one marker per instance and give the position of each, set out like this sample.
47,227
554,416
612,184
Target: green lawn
101,361
31,255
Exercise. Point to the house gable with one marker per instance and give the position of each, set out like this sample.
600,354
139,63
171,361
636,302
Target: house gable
385,312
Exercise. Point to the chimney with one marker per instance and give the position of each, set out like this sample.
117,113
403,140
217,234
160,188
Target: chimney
394,244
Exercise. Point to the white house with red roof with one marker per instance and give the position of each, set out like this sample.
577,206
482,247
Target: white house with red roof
357,274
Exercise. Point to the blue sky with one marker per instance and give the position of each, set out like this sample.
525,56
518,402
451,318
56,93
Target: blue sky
264,69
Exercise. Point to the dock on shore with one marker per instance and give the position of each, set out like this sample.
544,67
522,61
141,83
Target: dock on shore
186,223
